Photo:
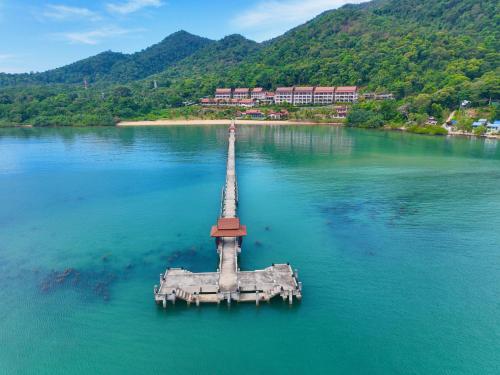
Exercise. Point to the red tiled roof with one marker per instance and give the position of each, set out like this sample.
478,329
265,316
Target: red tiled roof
228,227
223,91
228,223
254,112
246,100
323,89
284,89
304,89
257,89
269,93
347,89
241,90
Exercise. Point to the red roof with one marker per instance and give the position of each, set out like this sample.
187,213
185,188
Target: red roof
223,91
284,89
241,90
324,89
245,101
254,112
257,89
269,93
228,227
347,89
304,89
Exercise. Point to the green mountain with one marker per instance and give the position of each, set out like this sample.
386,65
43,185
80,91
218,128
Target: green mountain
112,67
429,53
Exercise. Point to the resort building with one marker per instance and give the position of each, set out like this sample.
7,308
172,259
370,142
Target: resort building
341,111
281,115
303,95
298,95
254,114
241,93
432,121
245,102
248,103
494,127
346,94
480,122
258,93
375,96
324,95
269,97
223,93
283,95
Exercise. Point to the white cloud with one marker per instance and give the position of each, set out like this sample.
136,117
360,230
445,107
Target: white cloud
269,18
131,6
93,37
64,12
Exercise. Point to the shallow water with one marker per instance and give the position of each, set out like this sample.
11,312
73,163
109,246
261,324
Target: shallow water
396,238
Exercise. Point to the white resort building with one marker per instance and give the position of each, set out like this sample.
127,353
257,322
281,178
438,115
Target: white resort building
223,93
296,95
303,95
346,94
283,95
241,93
324,95
258,93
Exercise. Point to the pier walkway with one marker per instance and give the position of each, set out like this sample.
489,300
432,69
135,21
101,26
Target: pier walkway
228,283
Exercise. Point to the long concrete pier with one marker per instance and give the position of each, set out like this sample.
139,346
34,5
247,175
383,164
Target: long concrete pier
228,283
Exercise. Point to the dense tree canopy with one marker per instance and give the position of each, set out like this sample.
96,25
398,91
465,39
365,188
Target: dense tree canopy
430,53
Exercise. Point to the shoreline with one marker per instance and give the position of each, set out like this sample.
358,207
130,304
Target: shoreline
222,122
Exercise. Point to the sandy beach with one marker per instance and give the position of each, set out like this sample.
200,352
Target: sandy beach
219,122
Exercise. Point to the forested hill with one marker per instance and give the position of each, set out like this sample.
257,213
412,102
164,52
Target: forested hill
431,53
405,46
113,67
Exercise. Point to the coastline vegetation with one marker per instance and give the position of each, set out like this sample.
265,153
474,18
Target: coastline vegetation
430,54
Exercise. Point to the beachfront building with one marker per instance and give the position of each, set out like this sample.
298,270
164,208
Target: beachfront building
248,103
494,127
303,95
346,94
283,95
254,114
480,122
324,95
258,93
341,110
241,93
223,93
281,115
208,102
431,121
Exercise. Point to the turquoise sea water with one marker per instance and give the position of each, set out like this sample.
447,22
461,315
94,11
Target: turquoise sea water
396,238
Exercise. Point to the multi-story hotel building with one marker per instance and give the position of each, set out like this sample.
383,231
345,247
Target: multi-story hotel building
241,93
269,97
324,95
223,93
295,95
283,95
303,95
346,94
258,93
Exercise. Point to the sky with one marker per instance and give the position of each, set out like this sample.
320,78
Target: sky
42,35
